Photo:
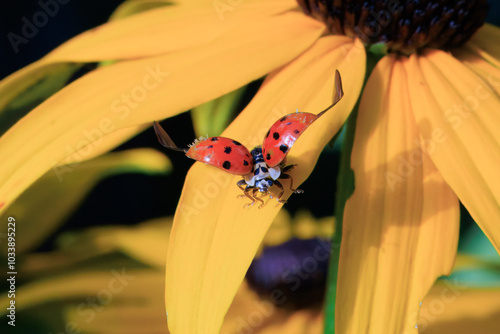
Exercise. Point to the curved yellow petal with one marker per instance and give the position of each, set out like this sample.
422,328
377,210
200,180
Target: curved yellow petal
131,7
35,207
479,62
91,150
148,34
30,86
458,113
401,224
131,282
306,226
136,92
163,30
280,230
299,322
486,39
119,300
460,309
146,242
251,314
214,239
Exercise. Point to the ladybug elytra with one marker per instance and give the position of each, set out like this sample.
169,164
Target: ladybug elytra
264,165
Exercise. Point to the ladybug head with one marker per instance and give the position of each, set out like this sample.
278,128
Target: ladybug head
257,154
264,184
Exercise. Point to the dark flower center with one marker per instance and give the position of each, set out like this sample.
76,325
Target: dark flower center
404,26
291,275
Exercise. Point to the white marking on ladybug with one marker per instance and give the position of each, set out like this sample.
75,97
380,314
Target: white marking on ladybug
262,176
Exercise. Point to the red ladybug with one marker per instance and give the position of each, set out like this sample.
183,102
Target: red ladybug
264,165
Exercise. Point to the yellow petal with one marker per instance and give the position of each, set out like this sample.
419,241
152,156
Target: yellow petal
280,230
479,62
67,186
486,40
401,224
251,314
214,239
458,114
109,141
306,226
136,92
299,322
146,242
119,300
86,283
459,309
30,86
131,7
163,30
151,33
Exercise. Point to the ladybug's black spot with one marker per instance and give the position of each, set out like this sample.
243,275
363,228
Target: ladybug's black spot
210,146
267,134
248,155
296,131
214,139
226,165
245,163
288,123
268,156
276,135
264,169
227,149
283,148
236,143
283,119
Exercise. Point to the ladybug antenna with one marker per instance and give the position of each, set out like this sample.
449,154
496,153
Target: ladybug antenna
338,92
165,139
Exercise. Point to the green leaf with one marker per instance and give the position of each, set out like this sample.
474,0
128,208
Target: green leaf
213,117
27,88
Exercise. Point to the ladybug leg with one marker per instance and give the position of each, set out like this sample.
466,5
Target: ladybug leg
258,199
240,184
288,168
246,192
286,176
282,191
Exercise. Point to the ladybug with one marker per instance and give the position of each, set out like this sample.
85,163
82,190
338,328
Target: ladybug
264,165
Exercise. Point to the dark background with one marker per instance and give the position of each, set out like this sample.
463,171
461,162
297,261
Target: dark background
129,199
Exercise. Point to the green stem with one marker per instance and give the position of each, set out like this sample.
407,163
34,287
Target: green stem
345,189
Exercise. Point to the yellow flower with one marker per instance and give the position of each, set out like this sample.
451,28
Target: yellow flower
108,279
425,137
